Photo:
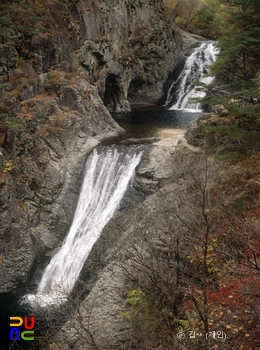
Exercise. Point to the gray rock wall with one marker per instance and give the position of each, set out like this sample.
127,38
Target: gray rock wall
39,195
130,235
103,56
129,50
114,53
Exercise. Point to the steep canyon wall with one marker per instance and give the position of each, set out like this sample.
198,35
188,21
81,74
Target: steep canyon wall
83,58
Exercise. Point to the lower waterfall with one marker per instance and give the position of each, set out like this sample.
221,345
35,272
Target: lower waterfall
108,172
195,69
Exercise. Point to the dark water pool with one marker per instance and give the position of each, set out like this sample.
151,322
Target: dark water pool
153,121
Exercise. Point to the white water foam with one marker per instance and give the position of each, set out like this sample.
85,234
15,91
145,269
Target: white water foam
195,69
107,176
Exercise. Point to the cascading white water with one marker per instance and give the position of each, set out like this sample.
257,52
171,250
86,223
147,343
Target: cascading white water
107,176
195,68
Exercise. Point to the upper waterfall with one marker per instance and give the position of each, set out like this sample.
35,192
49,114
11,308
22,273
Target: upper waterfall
108,172
195,69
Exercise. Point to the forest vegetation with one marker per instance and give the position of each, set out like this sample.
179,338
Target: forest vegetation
235,24
207,281
203,274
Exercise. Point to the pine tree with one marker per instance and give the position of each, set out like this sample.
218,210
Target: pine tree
240,44
238,68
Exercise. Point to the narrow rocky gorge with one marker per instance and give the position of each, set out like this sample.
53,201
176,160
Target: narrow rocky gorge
100,58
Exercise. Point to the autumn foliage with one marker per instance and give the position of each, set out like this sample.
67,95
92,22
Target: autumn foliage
207,278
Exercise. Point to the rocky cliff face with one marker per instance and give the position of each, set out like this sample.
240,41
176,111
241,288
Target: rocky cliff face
128,50
136,244
111,260
40,189
128,244
89,58
86,54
